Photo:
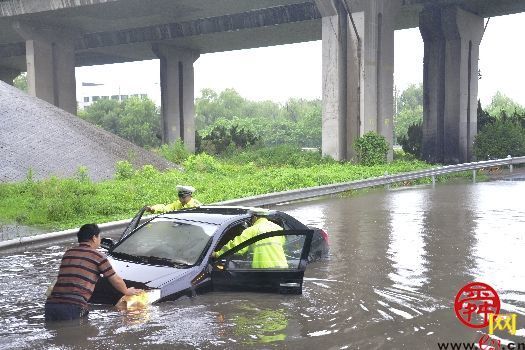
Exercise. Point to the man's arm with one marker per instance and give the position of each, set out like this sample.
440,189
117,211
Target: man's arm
164,208
119,284
157,208
244,236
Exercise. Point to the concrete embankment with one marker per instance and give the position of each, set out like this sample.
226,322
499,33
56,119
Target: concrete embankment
39,136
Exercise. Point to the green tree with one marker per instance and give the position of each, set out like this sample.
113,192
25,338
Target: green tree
297,122
140,122
404,119
135,119
411,98
104,113
409,110
309,126
502,104
500,139
261,109
206,108
226,134
20,81
232,103
411,143
484,118
229,104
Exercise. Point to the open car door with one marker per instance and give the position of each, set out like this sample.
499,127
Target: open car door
232,271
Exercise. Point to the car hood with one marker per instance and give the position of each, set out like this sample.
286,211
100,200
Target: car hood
143,273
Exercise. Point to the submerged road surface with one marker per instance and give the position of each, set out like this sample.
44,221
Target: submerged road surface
397,260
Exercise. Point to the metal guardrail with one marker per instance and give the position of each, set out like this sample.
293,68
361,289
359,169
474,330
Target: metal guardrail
305,193
288,196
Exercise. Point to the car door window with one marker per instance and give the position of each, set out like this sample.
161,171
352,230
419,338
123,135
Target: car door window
274,250
231,232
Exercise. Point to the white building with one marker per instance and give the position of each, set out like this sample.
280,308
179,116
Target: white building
89,92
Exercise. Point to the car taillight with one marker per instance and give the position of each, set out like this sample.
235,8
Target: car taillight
324,234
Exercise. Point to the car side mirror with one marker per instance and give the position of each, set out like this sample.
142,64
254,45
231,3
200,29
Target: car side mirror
219,264
107,243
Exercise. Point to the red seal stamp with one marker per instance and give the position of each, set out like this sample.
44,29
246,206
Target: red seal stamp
474,302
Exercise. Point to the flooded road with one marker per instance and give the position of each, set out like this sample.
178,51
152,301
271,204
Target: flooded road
397,260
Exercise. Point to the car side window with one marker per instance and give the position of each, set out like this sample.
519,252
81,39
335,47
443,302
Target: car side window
231,233
279,221
277,252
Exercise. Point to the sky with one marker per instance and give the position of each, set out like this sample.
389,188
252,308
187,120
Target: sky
280,72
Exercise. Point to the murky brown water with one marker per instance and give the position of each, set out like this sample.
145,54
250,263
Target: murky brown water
397,260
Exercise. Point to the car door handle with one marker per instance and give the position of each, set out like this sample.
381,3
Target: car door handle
290,285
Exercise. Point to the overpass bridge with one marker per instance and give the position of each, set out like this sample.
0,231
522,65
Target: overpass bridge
49,38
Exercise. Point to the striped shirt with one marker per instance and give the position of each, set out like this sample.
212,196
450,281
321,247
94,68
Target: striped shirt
79,271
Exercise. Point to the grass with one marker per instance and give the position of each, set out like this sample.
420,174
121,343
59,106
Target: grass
64,203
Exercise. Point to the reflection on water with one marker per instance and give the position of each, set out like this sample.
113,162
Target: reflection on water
8,232
397,260
498,260
254,325
406,230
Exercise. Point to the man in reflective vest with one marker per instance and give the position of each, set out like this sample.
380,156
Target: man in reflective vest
185,201
267,253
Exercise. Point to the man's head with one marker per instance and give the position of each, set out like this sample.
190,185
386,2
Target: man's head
89,233
185,193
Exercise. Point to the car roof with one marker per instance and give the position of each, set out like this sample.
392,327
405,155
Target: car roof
216,215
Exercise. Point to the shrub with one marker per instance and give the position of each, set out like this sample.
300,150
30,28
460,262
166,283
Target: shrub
371,149
484,118
500,139
221,137
401,155
202,162
124,170
148,171
82,174
174,152
412,143
282,155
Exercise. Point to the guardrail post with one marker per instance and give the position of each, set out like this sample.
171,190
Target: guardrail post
388,184
474,176
510,164
433,180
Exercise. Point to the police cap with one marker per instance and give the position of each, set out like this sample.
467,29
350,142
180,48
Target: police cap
185,190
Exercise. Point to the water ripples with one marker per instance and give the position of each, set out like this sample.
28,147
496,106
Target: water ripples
397,259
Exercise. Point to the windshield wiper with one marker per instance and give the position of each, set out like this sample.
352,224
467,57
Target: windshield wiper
151,260
126,256
181,263
164,261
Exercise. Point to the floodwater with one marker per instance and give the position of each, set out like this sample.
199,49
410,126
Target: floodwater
398,258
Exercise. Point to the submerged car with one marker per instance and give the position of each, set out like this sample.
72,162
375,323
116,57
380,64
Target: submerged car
171,254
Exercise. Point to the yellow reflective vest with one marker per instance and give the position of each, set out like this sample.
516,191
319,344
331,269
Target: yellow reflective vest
177,205
267,253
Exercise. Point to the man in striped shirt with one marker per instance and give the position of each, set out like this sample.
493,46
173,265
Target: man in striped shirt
80,269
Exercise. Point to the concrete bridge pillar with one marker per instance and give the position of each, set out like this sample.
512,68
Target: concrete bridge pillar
358,73
378,68
338,127
50,59
8,74
450,82
177,94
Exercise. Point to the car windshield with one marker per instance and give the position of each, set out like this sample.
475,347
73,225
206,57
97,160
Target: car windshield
166,241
